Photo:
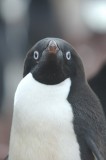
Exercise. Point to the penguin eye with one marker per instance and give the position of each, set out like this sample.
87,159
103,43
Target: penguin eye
68,55
36,55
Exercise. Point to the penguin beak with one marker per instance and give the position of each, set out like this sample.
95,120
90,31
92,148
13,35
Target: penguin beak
52,47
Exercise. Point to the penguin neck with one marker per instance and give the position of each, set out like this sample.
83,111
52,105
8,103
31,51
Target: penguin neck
37,88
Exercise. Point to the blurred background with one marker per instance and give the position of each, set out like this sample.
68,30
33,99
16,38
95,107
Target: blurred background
23,22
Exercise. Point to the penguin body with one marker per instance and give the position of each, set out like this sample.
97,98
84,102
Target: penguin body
56,115
45,122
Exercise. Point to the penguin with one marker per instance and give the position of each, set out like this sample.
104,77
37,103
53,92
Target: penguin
56,114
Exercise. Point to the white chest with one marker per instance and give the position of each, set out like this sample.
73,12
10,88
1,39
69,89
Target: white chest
42,126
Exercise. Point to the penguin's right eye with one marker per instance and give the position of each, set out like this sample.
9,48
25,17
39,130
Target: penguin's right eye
36,55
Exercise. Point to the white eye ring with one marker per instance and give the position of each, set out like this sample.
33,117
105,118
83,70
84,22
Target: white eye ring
36,55
68,55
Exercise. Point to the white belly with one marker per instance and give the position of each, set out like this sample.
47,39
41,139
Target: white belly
42,126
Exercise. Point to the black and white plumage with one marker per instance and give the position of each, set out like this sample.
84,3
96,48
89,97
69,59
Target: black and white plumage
56,114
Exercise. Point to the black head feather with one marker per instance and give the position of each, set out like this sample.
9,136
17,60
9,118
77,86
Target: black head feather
52,68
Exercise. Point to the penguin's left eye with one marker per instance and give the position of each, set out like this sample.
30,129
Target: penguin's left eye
68,55
36,55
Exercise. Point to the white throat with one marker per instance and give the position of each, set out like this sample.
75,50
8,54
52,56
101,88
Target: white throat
42,125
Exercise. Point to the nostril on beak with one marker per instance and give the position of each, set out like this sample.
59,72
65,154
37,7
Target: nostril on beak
52,47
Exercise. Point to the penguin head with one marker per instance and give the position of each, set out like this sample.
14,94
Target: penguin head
52,60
